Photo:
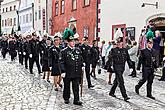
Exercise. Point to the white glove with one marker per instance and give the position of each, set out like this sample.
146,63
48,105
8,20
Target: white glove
30,55
84,64
24,53
130,70
163,58
63,75
42,51
83,68
50,68
19,52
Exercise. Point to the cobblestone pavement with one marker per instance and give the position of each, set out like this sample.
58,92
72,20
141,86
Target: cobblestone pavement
20,90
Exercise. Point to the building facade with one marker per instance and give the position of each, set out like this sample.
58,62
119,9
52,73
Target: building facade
80,14
49,15
130,16
9,16
26,16
40,16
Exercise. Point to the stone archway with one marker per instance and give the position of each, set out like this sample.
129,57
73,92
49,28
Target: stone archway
157,19
159,23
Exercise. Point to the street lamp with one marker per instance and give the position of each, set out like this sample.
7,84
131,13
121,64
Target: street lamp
144,4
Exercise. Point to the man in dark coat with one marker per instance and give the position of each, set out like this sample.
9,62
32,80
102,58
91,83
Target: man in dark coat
86,53
25,50
34,50
118,57
12,48
20,49
149,63
4,46
72,62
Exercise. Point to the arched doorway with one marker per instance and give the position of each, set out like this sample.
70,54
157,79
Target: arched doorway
159,23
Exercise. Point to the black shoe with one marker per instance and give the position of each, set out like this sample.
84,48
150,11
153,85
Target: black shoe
126,99
56,89
161,79
136,89
60,85
130,75
91,86
112,95
77,103
150,96
133,76
99,71
48,81
66,101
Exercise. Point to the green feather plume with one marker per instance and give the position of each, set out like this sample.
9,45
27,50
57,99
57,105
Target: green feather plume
150,34
67,34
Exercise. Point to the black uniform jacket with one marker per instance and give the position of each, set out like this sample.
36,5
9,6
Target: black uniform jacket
72,62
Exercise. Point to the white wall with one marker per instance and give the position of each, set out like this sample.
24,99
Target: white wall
127,12
39,22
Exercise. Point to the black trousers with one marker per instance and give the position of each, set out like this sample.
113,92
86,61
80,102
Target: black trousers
31,63
87,71
4,52
103,61
163,74
26,61
20,57
119,81
134,69
139,64
75,88
147,75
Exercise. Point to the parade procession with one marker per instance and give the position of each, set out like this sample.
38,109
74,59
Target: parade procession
72,55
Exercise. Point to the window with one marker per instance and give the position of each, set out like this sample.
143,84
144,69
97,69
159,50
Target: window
30,17
36,15
86,31
2,23
5,22
39,13
74,4
6,10
62,6
14,7
56,9
27,19
14,22
11,22
23,18
3,10
20,19
86,2
10,8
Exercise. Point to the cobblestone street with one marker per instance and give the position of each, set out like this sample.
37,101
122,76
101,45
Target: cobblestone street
20,90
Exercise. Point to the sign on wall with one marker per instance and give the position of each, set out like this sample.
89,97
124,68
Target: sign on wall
130,33
44,19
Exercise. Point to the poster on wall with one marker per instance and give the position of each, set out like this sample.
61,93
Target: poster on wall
130,33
